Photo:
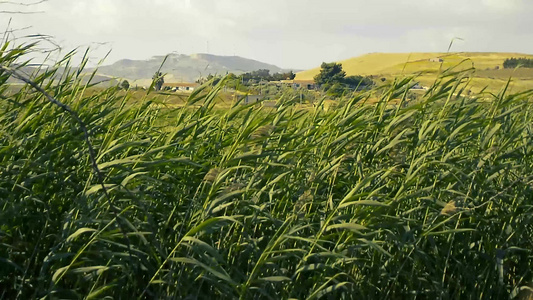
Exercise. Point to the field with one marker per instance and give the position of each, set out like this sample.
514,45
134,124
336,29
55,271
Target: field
392,65
105,194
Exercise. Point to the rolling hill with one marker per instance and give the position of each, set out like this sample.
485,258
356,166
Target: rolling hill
489,67
183,68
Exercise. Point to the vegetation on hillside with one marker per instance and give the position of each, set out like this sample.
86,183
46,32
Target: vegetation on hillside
490,74
101,197
511,63
158,80
253,77
267,86
125,85
264,75
333,80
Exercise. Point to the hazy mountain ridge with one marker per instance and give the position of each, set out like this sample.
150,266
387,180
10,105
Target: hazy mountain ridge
185,68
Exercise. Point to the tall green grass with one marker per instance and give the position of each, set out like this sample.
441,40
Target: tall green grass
397,200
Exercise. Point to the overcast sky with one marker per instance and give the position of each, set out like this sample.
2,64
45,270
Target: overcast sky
289,33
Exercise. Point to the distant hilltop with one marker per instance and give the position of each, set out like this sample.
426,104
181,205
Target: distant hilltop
410,63
184,68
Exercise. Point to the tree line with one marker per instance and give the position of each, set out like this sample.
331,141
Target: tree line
262,75
243,81
523,62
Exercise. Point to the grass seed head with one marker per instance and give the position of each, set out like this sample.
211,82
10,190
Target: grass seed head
263,131
212,175
303,200
234,187
449,209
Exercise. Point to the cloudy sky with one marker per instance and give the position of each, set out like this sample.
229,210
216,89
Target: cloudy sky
289,33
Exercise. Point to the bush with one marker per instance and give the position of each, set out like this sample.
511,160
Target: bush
125,85
512,63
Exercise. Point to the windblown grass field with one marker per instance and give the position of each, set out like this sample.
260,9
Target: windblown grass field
103,197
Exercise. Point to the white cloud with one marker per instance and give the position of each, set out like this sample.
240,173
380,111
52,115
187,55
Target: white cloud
296,33
507,5
93,18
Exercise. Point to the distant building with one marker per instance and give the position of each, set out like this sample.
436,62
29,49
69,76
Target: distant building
181,86
252,98
306,84
247,99
436,59
417,86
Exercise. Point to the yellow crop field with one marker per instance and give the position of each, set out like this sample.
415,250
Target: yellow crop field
488,67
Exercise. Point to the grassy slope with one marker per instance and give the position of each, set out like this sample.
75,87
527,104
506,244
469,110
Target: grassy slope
394,64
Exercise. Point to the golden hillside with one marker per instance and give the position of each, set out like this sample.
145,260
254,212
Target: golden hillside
409,63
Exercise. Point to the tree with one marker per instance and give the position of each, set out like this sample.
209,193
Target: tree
290,75
261,74
357,82
511,63
282,76
125,85
333,80
213,79
330,74
336,90
158,80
